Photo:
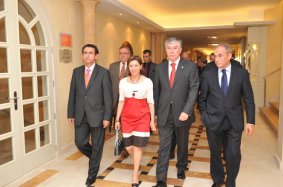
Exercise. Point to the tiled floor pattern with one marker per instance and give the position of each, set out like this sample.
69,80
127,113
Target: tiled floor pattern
258,167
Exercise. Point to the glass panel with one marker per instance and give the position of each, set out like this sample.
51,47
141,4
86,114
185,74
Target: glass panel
25,11
30,140
27,87
6,151
4,91
41,60
26,65
3,60
42,86
28,114
24,38
2,30
5,121
44,135
43,110
38,34
1,5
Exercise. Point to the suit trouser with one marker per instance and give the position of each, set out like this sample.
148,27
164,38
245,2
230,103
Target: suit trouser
165,134
232,152
94,150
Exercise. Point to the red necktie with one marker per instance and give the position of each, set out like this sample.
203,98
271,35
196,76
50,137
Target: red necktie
87,77
172,74
122,72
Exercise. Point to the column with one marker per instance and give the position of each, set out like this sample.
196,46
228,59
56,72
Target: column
158,46
89,20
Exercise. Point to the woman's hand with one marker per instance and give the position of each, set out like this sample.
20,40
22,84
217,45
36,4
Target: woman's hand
152,125
117,125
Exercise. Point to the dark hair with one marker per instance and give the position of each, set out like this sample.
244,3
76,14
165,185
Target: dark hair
127,45
137,58
92,46
146,51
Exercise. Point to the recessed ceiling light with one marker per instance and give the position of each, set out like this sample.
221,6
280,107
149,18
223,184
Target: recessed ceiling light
138,22
212,37
213,44
120,14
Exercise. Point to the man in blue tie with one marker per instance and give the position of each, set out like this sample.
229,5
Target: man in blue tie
220,103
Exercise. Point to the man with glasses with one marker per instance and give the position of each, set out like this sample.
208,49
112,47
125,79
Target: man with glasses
175,92
90,108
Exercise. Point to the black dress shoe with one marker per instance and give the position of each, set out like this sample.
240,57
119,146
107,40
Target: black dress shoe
90,181
172,155
160,184
217,184
181,174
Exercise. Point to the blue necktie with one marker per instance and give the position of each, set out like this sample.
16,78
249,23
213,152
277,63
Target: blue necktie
224,82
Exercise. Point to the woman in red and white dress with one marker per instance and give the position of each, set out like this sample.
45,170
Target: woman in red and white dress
135,112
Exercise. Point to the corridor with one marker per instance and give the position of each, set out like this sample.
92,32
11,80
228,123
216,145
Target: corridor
258,167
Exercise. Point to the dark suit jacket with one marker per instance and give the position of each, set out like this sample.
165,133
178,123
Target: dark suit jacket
182,96
151,73
95,100
213,105
114,70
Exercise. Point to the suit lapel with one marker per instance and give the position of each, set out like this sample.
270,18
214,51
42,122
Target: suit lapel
165,70
233,78
82,76
92,77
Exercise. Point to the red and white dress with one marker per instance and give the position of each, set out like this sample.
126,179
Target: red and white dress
135,117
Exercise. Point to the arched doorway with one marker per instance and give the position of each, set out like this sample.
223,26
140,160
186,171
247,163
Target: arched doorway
26,91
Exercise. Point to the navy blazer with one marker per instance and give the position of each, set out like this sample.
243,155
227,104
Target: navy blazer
214,106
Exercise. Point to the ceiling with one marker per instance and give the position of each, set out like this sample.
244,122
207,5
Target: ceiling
193,20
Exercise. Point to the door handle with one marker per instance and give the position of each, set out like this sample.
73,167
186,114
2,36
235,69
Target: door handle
15,98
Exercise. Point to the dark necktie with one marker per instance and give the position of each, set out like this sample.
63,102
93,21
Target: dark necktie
172,75
224,82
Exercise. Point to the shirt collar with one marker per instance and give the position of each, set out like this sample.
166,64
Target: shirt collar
176,62
91,67
228,68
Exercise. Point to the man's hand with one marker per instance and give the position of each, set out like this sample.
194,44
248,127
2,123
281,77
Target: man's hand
183,116
105,123
249,129
71,121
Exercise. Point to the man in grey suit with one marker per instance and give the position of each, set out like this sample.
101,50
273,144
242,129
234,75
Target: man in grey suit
175,92
90,108
223,88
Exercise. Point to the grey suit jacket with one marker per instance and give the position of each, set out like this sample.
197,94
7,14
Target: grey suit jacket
182,96
213,105
95,100
114,70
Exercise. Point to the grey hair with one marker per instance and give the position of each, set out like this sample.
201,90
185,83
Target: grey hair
226,47
173,39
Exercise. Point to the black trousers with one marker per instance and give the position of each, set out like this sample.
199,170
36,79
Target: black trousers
232,152
93,151
165,133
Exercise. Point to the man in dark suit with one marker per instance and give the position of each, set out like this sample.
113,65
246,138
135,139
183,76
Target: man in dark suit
220,103
148,65
175,92
90,108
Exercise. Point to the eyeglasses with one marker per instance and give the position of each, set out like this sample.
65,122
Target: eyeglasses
88,53
124,53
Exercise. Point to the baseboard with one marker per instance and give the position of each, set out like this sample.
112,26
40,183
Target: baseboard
66,149
279,162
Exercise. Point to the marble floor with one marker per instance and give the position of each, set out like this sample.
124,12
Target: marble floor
258,166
